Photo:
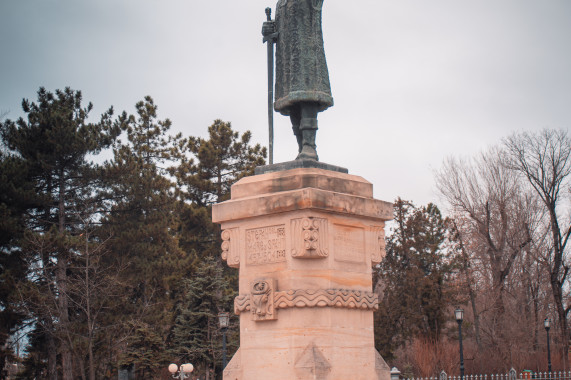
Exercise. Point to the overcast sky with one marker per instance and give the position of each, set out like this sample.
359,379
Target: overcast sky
414,81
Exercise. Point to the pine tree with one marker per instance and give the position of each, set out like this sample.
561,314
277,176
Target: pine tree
145,350
54,144
205,177
412,279
220,161
143,225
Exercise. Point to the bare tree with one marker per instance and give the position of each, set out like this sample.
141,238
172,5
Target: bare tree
485,197
545,160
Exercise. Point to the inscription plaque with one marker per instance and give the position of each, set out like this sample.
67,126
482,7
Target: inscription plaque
265,245
349,244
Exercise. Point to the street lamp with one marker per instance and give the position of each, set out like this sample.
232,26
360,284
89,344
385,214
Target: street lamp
547,325
184,373
224,319
459,314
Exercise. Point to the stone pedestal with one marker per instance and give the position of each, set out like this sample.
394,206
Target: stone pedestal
305,241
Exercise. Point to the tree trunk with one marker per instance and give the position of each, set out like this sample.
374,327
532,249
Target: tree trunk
88,310
558,299
61,278
52,357
557,283
81,369
472,295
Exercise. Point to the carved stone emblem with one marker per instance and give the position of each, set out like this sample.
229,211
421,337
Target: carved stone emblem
262,300
309,238
230,247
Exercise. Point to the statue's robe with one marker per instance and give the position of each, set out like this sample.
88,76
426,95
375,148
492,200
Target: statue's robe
301,69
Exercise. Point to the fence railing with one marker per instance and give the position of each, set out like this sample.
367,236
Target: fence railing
511,375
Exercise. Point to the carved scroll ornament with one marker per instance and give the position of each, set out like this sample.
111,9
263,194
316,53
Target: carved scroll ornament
231,247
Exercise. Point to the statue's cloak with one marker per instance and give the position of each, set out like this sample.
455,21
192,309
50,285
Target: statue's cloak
301,69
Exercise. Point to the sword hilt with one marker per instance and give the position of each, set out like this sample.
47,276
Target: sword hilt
271,38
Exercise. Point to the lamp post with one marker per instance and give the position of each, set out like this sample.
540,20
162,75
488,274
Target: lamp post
547,325
224,319
459,314
183,373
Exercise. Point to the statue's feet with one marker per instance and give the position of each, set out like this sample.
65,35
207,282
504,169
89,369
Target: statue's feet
307,153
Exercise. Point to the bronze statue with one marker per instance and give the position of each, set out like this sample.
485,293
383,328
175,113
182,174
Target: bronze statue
302,86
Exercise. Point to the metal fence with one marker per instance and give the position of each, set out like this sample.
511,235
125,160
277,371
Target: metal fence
511,375
561,375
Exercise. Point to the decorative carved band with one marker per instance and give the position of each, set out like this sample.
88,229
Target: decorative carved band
241,303
342,298
350,299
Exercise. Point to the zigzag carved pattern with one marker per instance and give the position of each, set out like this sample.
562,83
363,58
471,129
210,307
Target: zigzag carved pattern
241,303
342,298
351,299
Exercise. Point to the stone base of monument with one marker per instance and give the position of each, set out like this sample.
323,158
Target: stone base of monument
305,241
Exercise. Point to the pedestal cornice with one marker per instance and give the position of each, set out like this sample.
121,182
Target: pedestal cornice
300,189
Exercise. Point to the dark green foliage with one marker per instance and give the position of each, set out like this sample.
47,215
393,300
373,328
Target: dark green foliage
145,350
412,279
196,336
16,196
142,229
205,177
220,161
143,219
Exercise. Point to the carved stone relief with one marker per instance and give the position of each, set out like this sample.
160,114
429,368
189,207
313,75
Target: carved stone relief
262,300
231,247
309,238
